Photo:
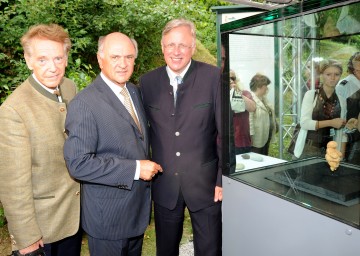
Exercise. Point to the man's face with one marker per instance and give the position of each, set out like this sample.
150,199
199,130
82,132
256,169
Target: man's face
178,46
356,71
48,60
117,59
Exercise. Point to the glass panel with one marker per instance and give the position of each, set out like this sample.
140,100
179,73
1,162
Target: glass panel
339,20
301,67
311,184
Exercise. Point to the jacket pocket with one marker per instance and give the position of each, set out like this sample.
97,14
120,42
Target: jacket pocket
155,108
210,163
202,105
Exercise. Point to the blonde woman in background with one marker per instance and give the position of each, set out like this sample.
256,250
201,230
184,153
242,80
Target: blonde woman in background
263,119
323,115
241,119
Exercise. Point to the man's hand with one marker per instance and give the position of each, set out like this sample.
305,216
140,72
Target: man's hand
32,247
149,169
352,124
218,194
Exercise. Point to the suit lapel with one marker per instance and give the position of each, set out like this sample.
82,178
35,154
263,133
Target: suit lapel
139,110
110,98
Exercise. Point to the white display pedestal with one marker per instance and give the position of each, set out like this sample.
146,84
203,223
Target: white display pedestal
258,223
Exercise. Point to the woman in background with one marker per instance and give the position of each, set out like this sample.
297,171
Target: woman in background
263,119
323,115
241,119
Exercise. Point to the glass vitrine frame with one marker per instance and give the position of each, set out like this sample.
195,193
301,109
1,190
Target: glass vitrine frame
304,24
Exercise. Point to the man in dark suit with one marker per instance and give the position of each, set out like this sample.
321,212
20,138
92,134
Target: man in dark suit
185,120
107,150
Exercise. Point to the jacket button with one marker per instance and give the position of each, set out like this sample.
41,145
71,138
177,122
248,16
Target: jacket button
77,193
176,174
177,133
62,109
178,154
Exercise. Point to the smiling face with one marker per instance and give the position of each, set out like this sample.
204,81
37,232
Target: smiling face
48,60
117,58
178,46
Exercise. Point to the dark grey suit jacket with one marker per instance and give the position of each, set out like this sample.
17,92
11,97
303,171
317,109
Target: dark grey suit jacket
102,146
185,140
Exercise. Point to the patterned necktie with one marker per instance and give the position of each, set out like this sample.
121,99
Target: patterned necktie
179,81
129,107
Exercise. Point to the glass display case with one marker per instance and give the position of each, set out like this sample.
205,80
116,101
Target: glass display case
312,184
286,45
291,204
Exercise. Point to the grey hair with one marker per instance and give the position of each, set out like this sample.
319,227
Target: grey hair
178,23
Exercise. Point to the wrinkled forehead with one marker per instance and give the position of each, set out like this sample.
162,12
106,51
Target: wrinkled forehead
121,48
46,47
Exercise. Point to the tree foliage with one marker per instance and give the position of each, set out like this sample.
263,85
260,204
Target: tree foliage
86,20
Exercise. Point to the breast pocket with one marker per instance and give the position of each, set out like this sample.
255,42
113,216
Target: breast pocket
152,108
202,115
204,105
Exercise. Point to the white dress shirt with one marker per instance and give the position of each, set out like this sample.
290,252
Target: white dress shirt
117,89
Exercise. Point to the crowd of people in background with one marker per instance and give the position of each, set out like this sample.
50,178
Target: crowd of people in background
330,111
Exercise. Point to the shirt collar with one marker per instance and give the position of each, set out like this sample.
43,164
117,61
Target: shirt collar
172,75
43,86
114,87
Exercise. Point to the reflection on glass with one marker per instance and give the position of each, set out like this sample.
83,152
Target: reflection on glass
323,115
310,53
311,183
242,104
287,46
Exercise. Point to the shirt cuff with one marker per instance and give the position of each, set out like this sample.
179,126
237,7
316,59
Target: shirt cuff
137,172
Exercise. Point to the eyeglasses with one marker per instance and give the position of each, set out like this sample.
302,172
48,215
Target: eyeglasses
233,78
181,47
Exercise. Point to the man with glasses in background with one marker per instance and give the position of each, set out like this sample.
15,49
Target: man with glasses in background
182,103
349,88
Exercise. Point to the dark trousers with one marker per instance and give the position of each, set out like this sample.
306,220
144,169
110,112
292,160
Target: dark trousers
70,246
123,247
206,224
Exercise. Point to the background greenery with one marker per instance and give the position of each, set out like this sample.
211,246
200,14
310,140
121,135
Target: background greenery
86,20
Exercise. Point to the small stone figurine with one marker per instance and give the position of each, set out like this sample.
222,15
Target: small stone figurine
333,156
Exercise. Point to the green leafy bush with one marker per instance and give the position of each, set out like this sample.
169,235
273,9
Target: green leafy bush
2,217
85,21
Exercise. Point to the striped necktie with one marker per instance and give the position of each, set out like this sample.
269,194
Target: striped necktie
128,105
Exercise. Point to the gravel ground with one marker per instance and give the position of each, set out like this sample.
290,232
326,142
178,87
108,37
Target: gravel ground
187,249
